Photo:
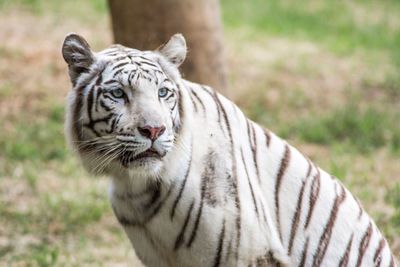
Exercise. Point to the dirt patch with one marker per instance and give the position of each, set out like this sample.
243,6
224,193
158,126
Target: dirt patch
32,69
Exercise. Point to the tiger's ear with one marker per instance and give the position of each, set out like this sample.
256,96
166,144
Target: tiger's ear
76,52
174,50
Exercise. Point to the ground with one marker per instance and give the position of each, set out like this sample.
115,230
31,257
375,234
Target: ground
323,74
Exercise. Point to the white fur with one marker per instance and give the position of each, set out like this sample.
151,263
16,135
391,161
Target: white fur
203,132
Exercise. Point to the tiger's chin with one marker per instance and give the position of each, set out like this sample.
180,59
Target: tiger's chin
146,164
129,159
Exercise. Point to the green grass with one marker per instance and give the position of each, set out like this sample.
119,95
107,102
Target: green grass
56,222
394,198
62,6
57,214
356,129
331,23
43,255
41,140
86,11
362,130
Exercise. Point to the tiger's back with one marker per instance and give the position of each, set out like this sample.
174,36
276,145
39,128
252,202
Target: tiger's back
222,191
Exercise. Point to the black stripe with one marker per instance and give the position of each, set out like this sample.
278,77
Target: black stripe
179,239
267,137
309,168
103,119
169,97
110,98
174,106
296,216
156,195
254,150
344,261
263,211
167,80
112,127
104,106
100,77
228,250
180,109
314,193
199,99
204,181
112,53
253,146
248,133
304,253
151,208
208,180
364,243
99,92
250,186
377,255
148,64
123,57
119,65
235,177
111,82
172,213
89,102
125,222
77,124
217,106
196,224
217,259
159,205
282,169
117,72
360,209
122,219
146,61
133,76
193,102
327,233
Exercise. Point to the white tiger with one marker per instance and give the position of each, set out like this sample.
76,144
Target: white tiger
196,183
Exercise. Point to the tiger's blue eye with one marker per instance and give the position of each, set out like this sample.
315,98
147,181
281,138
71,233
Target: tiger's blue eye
162,92
118,93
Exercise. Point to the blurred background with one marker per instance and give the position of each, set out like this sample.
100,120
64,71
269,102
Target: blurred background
323,74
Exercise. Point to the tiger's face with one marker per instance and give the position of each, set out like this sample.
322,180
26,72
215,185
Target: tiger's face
124,106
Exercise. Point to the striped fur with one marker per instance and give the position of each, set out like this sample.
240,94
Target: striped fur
225,191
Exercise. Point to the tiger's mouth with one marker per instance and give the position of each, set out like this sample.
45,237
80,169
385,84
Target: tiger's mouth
128,157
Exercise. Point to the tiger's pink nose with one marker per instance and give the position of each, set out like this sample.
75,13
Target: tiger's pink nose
151,132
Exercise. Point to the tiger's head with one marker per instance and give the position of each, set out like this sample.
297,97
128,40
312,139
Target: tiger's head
123,112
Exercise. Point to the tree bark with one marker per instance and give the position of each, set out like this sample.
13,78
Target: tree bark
146,24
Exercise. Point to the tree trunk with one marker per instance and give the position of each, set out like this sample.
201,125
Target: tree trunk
146,24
